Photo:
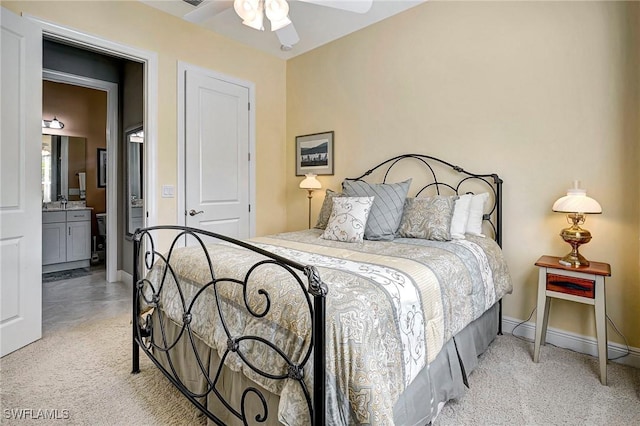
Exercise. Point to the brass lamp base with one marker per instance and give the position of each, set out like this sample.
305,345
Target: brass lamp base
574,260
575,236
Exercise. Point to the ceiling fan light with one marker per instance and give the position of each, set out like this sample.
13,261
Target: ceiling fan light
276,10
247,9
256,23
276,25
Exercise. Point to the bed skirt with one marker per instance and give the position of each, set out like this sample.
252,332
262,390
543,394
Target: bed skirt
444,379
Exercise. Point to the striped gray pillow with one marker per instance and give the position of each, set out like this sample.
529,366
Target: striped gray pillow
387,208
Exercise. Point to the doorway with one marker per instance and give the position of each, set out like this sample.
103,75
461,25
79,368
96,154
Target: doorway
118,258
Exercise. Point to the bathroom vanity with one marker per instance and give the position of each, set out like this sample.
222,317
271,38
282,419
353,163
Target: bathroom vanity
66,239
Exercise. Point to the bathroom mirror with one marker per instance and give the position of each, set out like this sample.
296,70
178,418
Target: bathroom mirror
135,161
63,165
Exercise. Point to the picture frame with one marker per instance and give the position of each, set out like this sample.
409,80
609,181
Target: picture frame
102,168
314,154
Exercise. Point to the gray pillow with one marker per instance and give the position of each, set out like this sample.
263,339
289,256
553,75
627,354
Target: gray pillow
386,211
325,210
428,218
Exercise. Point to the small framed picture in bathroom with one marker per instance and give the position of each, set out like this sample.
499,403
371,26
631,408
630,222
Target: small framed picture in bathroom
102,168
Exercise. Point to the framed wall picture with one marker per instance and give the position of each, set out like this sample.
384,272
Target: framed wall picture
102,168
314,154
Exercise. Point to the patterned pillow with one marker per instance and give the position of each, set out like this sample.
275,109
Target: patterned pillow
348,219
386,211
428,218
325,210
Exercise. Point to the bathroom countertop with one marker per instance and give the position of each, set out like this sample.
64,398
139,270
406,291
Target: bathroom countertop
60,209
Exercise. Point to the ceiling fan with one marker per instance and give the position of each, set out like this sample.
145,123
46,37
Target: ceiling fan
252,13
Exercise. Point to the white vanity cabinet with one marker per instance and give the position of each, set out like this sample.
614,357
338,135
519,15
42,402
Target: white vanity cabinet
66,239
54,240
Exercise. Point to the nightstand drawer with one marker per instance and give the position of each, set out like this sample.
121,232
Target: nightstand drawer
571,285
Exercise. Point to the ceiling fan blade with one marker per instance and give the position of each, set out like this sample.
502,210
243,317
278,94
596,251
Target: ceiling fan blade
288,36
207,10
357,6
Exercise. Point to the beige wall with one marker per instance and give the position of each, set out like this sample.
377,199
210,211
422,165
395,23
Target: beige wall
136,24
542,93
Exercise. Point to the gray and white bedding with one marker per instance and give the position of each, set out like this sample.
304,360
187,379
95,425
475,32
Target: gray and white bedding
391,307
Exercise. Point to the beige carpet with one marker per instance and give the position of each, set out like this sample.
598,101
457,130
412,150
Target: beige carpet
508,388
86,370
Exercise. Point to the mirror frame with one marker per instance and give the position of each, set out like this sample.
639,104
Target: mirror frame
130,196
60,165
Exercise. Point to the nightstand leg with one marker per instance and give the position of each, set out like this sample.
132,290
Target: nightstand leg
601,328
545,321
541,314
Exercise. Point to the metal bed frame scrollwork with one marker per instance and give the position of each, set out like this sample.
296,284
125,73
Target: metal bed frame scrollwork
315,294
143,333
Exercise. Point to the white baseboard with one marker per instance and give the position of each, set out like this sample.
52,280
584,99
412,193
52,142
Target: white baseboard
575,342
125,277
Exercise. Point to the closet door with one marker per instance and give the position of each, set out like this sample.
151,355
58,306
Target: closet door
217,182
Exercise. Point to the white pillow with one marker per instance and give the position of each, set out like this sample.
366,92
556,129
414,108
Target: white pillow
348,219
476,214
460,216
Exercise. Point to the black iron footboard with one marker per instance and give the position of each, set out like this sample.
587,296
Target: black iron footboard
147,296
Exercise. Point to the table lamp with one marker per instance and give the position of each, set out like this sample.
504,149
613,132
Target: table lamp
576,204
310,183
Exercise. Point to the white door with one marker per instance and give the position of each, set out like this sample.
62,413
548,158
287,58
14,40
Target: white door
20,183
217,184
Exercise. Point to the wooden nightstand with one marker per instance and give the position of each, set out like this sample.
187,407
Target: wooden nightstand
583,285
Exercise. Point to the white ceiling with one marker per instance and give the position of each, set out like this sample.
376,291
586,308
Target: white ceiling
316,25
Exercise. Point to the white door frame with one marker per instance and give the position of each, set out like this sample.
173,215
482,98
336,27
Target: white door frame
181,157
94,43
112,149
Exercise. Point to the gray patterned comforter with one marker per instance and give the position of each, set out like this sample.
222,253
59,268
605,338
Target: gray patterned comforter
390,309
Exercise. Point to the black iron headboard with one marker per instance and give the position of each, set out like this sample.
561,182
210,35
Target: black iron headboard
456,181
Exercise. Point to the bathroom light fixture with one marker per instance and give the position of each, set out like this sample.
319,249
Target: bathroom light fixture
52,124
310,183
252,13
576,204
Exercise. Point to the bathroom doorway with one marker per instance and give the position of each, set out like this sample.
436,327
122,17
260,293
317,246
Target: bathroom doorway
73,69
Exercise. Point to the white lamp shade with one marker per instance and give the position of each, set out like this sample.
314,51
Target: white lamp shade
276,9
53,124
310,182
576,201
252,13
247,9
256,23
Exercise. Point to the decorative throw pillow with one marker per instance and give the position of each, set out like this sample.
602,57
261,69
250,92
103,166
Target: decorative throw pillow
428,218
476,214
348,219
325,210
386,211
460,216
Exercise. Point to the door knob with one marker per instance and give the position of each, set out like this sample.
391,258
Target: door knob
192,212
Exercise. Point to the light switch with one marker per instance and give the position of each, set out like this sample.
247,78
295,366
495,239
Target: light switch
168,191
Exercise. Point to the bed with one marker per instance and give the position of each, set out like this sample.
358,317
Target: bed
301,328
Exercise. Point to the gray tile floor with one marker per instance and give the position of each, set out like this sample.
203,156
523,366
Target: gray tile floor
69,302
